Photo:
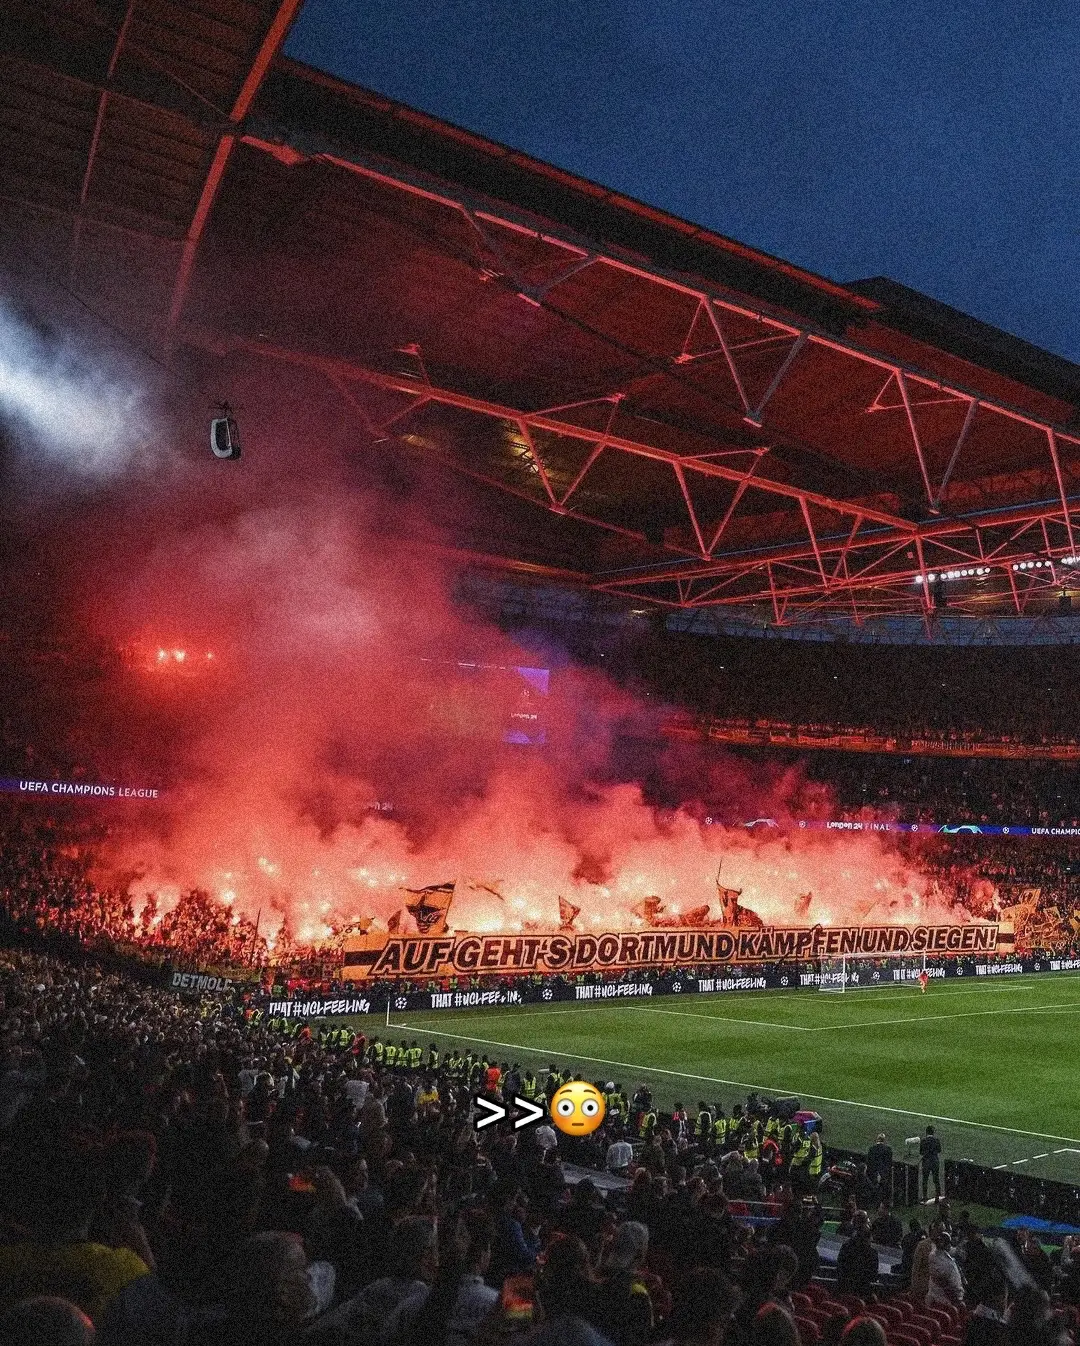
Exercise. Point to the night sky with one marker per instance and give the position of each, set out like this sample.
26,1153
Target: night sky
932,142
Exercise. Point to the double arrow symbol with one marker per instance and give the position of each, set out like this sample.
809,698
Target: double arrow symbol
496,1112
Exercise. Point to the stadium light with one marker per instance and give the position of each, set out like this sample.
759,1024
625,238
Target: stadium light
968,572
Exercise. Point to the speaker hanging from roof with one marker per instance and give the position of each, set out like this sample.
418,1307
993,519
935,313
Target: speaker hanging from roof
224,436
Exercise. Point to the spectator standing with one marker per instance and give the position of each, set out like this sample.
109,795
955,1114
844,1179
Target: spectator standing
475,1300
620,1155
272,1294
908,1244
946,1282
545,1136
414,1261
879,1162
987,1324
886,1229
1031,1322
930,1163
566,1299
920,1271
624,1303
857,1263
517,1238
703,1311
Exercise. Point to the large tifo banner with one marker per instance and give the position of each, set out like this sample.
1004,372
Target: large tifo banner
388,957
303,1008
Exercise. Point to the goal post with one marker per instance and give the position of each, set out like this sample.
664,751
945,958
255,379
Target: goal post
833,974
842,974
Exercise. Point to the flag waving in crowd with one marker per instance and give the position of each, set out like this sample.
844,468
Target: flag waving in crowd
431,907
568,914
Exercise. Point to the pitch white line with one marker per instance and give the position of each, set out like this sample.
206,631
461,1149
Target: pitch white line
722,997
904,991
890,990
581,1008
1048,1154
740,1084
932,1018
801,1028
587,1007
718,1018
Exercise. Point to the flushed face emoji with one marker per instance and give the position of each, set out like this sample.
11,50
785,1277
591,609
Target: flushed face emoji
578,1108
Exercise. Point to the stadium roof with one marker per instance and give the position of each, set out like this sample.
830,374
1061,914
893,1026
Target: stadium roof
652,410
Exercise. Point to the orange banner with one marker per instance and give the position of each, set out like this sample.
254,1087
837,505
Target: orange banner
393,956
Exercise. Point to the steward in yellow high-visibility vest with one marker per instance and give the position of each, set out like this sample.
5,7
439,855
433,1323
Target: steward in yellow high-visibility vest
648,1124
800,1178
720,1130
817,1158
529,1085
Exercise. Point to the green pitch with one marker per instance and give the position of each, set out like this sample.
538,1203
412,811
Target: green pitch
994,1065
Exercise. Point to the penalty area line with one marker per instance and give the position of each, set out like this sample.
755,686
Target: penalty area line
738,1084
1048,1155
1073,1008
893,990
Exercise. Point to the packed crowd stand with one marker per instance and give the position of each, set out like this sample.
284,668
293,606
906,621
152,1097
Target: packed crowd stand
47,887
186,1172
929,789
933,739
995,691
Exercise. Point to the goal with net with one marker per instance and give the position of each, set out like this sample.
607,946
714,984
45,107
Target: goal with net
832,974
842,974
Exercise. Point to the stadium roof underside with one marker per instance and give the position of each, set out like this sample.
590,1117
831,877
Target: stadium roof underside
651,410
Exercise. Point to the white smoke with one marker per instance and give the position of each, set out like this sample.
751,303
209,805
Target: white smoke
68,404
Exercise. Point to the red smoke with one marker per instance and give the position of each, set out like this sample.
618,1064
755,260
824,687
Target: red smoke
334,689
